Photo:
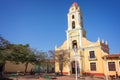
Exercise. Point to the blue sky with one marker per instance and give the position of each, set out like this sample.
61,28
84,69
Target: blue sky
42,23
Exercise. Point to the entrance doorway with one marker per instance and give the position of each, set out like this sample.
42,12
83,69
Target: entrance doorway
73,67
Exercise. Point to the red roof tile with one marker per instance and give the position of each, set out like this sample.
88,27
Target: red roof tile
112,56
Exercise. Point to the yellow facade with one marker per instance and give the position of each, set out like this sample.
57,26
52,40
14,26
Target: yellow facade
88,55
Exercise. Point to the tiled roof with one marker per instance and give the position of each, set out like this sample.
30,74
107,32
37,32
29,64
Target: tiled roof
110,56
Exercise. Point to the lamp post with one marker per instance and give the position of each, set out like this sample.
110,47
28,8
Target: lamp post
106,68
75,51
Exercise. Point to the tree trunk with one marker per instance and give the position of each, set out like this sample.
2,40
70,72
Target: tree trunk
2,67
61,71
26,65
61,67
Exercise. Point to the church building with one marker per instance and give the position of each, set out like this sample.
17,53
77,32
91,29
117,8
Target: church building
88,57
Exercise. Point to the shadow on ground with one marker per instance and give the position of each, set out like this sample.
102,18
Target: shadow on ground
3,78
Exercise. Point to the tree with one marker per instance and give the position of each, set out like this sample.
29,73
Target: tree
61,57
29,59
41,57
4,52
19,53
4,44
22,54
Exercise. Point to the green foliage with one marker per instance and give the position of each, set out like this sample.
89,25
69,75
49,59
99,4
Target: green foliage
15,52
20,53
4,51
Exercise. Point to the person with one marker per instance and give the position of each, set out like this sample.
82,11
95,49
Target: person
32,71
57,73
45,71
116,75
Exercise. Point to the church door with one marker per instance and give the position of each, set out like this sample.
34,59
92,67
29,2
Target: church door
73,67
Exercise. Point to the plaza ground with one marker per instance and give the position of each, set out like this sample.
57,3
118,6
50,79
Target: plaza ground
52,77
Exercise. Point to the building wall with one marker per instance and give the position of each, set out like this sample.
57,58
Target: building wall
77,33
48,67
98,60
12,67
117,66
84,61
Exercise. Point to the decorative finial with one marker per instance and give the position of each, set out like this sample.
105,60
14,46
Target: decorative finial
106,42
74,4
98,39
102,41
55,46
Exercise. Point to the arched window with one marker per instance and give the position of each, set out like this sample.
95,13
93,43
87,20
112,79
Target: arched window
73,17
73,25
74,43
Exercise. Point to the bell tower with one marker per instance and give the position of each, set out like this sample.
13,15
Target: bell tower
75,30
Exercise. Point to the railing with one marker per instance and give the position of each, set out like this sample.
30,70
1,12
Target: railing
92,58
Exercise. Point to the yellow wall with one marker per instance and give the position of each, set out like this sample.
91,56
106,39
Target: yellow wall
85,63
116,64
99,61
